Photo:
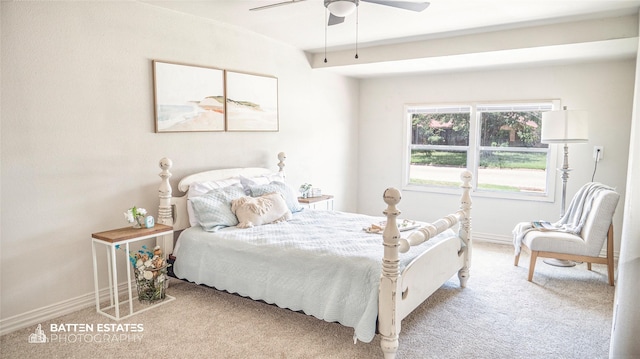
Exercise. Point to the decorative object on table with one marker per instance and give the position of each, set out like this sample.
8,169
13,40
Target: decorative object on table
136,216
150,271
304,189
188,98
315,192
149,222
252,102
564,127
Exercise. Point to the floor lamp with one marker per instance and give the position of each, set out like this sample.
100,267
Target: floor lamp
564,127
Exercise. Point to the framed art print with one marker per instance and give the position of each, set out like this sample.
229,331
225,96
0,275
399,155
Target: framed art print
252,102
188,98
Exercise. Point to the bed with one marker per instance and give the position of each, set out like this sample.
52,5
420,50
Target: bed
360,271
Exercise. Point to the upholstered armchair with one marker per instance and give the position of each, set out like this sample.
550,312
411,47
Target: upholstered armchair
597,206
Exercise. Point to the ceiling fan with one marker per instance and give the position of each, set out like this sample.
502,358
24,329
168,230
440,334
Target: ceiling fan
339,9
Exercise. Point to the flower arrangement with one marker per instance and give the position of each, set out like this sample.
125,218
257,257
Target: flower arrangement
150,269
135,215
304,189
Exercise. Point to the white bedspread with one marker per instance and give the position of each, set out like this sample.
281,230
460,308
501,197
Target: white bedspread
320,262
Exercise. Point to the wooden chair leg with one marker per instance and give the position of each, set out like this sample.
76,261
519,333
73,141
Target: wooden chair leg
610,268
588,265
532,264
517,259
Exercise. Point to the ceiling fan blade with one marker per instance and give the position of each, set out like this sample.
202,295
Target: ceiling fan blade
406,5
335,20
275,5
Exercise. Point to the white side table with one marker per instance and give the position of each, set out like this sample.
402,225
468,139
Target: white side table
122,238
320,202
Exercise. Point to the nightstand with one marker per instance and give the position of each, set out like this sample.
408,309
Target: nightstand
119,241
320,202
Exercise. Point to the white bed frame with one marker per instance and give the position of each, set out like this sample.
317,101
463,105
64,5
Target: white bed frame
400,292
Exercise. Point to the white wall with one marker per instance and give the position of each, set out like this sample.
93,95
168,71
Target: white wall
604,89
626,319
78,143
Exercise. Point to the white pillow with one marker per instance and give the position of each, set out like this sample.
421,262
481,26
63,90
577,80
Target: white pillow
256,211
200,188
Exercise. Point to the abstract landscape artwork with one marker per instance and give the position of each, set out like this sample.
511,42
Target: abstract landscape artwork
188,98
252,102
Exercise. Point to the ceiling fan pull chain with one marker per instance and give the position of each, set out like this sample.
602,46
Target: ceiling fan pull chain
357,18
325,34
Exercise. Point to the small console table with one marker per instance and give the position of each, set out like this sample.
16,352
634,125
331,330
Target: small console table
122,238
320,202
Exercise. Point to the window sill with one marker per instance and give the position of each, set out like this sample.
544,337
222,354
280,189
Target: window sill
520,196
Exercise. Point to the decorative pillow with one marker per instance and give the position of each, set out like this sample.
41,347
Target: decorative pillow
199,188
247,182
289,194
213,210
256,211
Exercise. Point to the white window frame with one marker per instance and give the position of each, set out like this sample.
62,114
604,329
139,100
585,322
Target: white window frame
473,154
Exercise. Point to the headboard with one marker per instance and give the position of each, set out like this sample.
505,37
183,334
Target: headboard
172,211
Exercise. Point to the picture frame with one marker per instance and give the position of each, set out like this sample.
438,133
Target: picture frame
188,98
252,102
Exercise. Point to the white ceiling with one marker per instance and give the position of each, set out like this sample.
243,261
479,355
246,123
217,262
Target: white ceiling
302,25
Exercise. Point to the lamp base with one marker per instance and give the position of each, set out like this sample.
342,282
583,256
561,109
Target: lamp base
559,262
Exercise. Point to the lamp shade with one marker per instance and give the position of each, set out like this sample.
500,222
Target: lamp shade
341,8
565,127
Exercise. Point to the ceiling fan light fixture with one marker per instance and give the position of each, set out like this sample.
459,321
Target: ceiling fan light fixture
341,8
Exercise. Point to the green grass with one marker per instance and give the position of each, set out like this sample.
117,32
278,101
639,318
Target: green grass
515,160
494,159
439,158
491,187
495,187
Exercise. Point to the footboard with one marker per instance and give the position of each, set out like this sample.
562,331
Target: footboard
400,293
428,272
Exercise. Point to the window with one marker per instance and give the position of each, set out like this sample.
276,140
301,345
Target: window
498,143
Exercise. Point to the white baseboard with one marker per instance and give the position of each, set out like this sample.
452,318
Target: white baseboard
36,316
492,238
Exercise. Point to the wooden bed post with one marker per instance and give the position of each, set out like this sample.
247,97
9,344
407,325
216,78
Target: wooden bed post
464,230
388,320
281,157
165,212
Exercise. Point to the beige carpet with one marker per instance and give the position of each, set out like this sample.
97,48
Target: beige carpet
565,313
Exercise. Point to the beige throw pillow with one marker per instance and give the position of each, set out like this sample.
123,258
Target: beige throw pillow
256,211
